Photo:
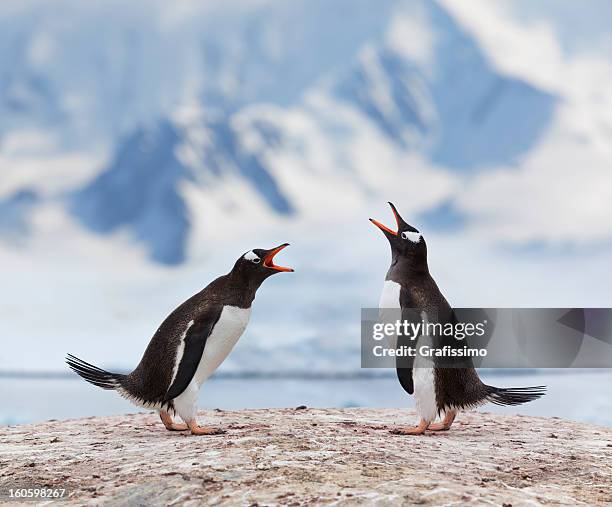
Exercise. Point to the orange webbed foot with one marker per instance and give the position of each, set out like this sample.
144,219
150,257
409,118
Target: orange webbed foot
204,430
416,430
445,425
170,424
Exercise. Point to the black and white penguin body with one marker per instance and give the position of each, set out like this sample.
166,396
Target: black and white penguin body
190,344
438,390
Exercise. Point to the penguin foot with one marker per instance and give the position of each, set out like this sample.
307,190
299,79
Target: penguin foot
416,430
439,427
170,424
445,425
203,430
177,427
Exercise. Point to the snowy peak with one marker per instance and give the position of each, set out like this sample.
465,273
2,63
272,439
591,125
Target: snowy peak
406,70
140,190
442,96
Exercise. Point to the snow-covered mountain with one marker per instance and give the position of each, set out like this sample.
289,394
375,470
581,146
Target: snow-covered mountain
144,146
407,69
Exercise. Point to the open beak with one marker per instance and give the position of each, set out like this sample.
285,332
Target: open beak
383,227
269,259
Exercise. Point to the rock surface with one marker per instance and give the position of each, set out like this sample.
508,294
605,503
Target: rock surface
312,456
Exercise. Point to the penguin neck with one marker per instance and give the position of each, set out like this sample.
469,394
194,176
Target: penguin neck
235,290
403,267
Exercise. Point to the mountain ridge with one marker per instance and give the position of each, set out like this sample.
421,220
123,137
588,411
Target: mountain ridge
433,93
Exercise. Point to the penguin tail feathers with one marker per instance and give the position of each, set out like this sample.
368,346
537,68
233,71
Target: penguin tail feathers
514,395
94,375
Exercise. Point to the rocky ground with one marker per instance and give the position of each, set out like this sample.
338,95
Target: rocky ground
307,456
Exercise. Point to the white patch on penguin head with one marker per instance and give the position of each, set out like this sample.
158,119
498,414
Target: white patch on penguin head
415,237
251,256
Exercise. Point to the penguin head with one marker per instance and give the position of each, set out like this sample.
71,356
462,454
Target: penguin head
407,241
258,264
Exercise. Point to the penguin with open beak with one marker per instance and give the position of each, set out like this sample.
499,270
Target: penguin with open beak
190,344
437,390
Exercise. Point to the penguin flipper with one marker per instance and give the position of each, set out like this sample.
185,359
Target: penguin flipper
194,343
404,364
404,376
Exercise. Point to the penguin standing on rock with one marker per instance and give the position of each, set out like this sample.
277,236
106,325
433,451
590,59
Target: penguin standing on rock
437,390
190,344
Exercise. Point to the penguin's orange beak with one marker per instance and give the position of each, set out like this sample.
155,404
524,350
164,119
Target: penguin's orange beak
383,227
268,261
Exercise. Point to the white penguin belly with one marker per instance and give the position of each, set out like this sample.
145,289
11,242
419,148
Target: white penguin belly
424,388
423,372
423,377
225,334
389,310
390,297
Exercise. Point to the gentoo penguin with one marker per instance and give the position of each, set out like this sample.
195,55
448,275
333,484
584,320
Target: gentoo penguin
409,287
190,344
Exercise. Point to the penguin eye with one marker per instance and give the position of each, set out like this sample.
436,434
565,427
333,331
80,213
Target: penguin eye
255,260
415,237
